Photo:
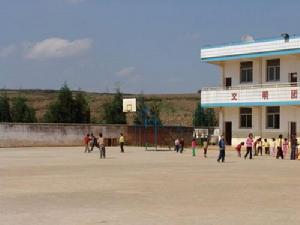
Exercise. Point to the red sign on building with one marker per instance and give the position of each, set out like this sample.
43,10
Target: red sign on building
294,94
234,96
265,95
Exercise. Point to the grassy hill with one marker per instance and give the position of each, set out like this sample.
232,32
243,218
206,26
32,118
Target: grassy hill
176,109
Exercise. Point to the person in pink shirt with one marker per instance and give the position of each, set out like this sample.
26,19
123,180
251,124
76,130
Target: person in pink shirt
249,144
285,146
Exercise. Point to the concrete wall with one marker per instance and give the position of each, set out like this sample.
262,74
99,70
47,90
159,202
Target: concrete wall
22,135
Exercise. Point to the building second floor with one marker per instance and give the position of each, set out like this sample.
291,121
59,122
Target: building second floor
254,75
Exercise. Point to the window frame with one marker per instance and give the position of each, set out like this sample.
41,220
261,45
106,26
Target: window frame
274,116
246,115
276,70
246,68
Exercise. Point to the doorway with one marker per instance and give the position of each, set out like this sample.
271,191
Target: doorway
228,132
292,129
227,82
293,79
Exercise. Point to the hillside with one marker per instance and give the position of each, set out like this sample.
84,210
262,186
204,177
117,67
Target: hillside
176,109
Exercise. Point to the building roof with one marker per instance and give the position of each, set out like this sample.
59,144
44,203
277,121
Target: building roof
251,49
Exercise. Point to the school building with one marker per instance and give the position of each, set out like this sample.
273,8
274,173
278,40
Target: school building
259,91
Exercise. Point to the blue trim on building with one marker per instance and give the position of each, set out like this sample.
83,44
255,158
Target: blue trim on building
242,104
252,55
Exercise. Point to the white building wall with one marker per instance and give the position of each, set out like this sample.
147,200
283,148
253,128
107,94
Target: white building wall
287,114
288,64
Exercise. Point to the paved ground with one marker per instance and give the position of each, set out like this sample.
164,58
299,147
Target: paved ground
64,186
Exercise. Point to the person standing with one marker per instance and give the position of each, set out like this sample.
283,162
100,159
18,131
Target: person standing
101,146
177,143
222,149
194,146
93,142
273,147
266,146
294,145
279,147
205,147
259,146
285,147
86,141
181,143
121,141
249,144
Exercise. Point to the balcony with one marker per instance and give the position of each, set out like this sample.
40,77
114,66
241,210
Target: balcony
251,95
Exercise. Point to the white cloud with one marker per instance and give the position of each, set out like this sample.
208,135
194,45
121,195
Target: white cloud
56,48
127,71
7,51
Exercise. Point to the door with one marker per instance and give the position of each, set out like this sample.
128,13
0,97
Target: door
228,132
293,79
293,129
228,82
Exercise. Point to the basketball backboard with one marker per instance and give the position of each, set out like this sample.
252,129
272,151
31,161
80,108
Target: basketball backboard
129,105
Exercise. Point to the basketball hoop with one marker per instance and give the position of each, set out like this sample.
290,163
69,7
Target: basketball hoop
129,105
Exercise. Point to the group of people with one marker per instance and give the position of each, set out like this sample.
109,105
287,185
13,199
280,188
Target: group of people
276,148
179,146
90,141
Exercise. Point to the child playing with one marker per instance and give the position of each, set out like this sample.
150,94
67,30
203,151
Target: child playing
273,147
259,146
285,146
266,145
194,146
205,145
238,148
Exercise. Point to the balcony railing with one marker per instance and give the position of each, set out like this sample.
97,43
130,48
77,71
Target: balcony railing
252,95
254,86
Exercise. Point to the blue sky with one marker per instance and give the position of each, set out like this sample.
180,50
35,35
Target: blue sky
151,46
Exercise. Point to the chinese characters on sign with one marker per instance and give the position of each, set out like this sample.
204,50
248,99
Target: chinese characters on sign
265,95
294,94
234,96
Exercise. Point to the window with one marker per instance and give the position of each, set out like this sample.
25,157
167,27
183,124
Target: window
273,70
245,117
246,72
273,117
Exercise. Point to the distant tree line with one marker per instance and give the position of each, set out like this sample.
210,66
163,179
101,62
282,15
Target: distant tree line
74,107
16,110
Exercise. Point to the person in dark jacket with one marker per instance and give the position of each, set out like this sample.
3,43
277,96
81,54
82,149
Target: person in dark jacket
181,143
222,149
294,145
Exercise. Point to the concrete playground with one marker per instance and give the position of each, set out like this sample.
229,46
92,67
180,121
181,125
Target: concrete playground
64,186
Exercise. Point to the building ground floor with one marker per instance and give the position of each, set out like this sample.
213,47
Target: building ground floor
263,121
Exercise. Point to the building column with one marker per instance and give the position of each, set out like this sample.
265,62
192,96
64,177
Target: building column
221,120
259,119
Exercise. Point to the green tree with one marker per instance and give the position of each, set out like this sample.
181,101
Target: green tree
67,109
81,108
4,109
21,112
154,113
141,111
113,111
204,117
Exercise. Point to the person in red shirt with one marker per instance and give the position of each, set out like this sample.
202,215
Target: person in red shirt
238,148
86,141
